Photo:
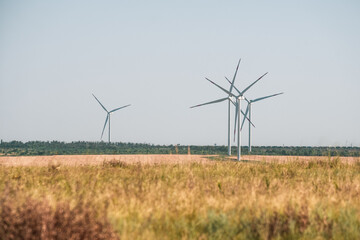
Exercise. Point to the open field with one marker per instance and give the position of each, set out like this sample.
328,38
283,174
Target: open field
115,196
287,159
78,160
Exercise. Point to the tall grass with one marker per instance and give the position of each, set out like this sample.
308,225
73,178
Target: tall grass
220,200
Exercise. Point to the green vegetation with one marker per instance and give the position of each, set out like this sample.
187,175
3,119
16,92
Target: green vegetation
61,148
216,200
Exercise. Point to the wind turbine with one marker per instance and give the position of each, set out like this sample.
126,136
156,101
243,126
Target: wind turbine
229,105
238,98
230,101
248,110
108,115
230,96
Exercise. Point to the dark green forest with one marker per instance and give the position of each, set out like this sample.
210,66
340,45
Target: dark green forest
17,148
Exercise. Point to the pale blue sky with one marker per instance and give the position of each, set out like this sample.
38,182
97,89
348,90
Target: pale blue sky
155,55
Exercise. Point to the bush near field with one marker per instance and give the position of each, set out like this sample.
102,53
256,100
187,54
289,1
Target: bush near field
61,148
216,200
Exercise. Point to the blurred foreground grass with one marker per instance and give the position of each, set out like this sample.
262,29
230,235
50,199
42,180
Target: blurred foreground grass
216,200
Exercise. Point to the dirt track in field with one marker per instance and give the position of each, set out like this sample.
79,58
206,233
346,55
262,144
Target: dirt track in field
78,160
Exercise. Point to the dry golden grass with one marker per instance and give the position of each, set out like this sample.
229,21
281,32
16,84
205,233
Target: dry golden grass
78,160
317,199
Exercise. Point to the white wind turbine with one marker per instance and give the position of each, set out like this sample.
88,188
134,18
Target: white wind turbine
229,104
248,110
230,96
108,115
238,98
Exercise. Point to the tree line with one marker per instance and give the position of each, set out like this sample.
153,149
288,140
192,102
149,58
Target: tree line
32,148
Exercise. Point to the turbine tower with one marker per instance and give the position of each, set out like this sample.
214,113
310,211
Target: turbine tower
248,110
108,115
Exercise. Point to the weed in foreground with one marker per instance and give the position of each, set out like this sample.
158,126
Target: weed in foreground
35,219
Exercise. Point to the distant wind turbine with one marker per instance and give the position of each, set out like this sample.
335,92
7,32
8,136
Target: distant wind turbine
248,110
237,113
236,100
230,96
238,110
229,104
108,115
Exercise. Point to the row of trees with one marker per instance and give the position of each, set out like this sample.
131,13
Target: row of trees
61,148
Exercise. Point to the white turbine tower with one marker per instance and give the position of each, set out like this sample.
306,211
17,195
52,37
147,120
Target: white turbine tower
229,104
108,115
248,110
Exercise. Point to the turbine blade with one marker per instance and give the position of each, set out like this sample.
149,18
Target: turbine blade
107,118
228,80
247,119
262,98
101,104
233,86
237,68
230,94
119,108
246,112
216,101
253,83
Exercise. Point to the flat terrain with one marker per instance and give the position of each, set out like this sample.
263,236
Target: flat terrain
179,197
78,160
287,159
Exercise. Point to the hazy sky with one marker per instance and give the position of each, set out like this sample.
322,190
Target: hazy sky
155,55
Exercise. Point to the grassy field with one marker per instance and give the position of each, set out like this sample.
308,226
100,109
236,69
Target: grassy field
216,199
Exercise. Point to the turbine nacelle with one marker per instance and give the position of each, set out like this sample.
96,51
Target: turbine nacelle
233,100
240,97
